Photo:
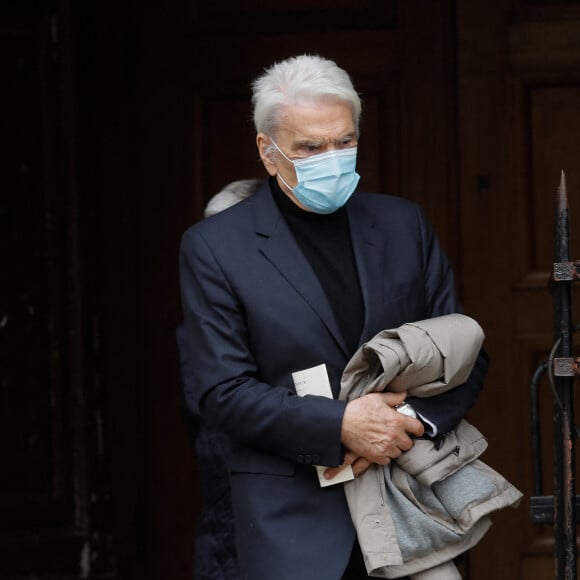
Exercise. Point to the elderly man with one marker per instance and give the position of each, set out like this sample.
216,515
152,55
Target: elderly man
297,276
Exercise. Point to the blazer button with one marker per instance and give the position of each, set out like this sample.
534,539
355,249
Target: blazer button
316,458
308,459
300,458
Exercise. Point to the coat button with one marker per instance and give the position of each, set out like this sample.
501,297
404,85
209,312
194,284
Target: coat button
316,458
300,458
308,459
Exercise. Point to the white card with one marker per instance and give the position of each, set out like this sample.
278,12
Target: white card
314,381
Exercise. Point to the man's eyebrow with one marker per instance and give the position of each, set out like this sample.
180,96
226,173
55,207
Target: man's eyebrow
346,136
306,142
317,142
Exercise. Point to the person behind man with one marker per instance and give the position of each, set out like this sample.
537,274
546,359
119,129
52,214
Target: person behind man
232,193
214,555
299,275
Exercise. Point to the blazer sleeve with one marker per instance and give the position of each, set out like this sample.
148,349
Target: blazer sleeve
447,409
226,385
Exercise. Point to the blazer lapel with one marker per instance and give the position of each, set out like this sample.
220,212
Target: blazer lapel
368,253
281,249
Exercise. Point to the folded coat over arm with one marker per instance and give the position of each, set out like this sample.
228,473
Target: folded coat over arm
415,515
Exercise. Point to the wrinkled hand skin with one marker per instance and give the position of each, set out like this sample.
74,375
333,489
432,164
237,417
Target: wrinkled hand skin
374,432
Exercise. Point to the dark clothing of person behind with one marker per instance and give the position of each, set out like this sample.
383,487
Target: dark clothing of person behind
215,550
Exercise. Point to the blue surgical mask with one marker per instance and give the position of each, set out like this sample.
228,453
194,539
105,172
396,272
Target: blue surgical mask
325,181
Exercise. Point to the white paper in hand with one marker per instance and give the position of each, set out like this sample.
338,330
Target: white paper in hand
314,381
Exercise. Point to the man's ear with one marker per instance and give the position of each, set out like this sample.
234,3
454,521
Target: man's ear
263,142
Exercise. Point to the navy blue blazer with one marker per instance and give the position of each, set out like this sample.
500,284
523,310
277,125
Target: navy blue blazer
255,312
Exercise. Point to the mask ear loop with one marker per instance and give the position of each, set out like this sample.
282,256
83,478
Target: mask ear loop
280,151
285,182
287,159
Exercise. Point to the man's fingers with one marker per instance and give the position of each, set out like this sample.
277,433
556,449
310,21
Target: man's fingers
349,459
413,426
330,472
392,399
360,466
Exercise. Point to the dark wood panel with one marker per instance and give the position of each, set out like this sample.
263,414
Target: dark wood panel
546,10
546,48
555,143
51,481
552,3
228,143
24,289
379,161
35,285
518,118
249,17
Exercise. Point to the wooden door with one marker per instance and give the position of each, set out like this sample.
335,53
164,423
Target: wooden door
54,474
400,54
519,126
470,108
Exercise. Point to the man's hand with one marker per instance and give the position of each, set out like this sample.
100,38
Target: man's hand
359,465
374,431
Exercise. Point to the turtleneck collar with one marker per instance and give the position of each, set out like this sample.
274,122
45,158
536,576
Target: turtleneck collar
289,208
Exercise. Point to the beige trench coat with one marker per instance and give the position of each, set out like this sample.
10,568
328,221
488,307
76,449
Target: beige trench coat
414,516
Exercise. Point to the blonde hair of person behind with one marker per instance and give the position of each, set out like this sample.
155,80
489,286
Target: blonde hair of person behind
231,194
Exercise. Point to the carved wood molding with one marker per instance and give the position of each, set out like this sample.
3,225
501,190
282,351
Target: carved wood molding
548,47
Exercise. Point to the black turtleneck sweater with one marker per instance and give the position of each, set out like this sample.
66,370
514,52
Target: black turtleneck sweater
326,244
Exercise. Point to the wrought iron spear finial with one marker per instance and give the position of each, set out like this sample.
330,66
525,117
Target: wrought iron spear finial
564,269
562,243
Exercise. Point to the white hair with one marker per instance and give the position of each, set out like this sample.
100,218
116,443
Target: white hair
299,79
231,194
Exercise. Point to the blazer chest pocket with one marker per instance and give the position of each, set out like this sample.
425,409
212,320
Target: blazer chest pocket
404,302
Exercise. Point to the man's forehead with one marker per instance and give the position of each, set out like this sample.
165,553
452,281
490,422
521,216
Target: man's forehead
316,123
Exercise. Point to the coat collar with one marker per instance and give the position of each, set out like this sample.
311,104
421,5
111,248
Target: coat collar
281,249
